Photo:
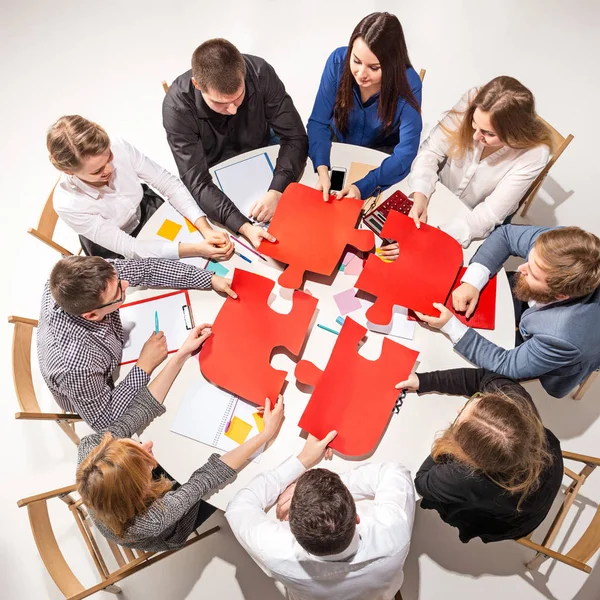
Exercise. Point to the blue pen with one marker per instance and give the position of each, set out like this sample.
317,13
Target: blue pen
242,256
340,320
156,321
328,329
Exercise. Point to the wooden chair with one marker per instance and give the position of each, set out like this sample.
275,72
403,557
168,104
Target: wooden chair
422,74
47,225
589,542
21,366
560,144
585,385
128,561
165,86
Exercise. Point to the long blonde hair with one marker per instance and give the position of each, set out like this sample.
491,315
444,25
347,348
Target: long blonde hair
511,109
503,438
72,139
115,482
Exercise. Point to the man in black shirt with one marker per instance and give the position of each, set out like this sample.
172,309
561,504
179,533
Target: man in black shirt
227,104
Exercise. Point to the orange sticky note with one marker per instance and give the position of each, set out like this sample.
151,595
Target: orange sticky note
238,430
191,227
258,419
169,230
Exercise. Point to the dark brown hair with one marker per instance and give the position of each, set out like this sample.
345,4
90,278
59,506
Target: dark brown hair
218,65
322,513
572,258
383,34
78,282
503,438
511,108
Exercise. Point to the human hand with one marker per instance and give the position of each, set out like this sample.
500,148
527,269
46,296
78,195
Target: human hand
220,284
350,191
411,384
154,351
255,234
282,510
390,251
436,322
465,298
272,418
195,339
262,210
315,450
418,212
214,251
324,182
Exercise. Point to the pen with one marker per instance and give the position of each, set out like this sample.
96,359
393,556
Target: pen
155,321
231,415
340,320
328,329
242,256
247,247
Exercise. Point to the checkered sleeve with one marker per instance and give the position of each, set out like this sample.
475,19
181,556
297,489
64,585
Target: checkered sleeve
158,272
94,398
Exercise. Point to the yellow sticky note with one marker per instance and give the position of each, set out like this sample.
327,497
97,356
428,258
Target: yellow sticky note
258,419
169,230
238,430
191,227
378,252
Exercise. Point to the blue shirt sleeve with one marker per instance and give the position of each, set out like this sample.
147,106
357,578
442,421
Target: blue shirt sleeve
397,166
319,137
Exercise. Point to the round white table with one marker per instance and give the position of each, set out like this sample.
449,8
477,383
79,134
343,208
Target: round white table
409,434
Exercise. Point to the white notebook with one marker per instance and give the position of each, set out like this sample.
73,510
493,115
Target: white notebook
217,418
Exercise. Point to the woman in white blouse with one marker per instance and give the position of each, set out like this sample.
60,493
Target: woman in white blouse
487,150
102,195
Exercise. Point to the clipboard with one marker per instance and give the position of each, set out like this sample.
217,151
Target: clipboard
137,318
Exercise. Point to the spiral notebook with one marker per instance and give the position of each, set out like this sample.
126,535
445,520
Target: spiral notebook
217,418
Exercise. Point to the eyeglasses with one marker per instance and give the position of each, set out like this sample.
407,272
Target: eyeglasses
119,299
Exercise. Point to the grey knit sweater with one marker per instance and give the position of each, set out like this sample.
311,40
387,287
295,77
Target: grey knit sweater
169,521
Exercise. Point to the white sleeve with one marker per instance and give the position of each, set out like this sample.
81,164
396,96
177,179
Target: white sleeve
501,203
166,184
455,330
424,172
477,275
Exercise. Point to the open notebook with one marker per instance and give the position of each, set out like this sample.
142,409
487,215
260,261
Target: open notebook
217,418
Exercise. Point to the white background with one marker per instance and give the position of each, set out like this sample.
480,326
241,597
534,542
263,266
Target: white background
105,61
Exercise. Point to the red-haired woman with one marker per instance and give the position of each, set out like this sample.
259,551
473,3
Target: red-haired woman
369,96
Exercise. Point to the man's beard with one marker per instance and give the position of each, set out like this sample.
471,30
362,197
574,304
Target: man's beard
522,291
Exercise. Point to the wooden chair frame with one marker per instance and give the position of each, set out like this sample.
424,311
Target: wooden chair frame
585,385
128,561
21,367
589,542
560,145
422,74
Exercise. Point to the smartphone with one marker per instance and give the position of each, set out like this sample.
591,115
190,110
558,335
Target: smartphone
338,175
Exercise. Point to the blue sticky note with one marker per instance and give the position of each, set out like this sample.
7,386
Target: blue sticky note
217,268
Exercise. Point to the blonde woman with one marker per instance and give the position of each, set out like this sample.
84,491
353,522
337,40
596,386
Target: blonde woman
103,195
487,150
496,470
132,500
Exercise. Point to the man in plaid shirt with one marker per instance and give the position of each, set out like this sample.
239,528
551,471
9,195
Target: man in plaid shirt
80,336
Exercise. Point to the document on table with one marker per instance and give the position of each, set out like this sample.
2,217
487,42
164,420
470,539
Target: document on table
138,319
217,418
246,181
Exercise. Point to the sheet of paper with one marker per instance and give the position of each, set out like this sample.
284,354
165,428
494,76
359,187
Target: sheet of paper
354,267
347,301
205,411
169,230
246,181
400,325
138,322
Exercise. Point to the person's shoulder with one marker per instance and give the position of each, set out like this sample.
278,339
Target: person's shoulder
537,155
181,88
338,56
63,193
414,79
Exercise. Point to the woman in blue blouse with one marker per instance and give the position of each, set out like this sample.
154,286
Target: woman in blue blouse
369,96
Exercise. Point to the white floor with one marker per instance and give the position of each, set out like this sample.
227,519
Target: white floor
106,61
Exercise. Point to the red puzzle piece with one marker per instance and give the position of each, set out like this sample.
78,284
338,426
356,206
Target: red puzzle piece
311,234
423,273
354,395
237,355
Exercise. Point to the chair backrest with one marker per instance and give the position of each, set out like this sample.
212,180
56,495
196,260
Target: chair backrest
560,144
47,225
128,561
422,74
589,542
165,86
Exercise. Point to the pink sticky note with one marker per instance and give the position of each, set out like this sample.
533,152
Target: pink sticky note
354,267
347,301
348,257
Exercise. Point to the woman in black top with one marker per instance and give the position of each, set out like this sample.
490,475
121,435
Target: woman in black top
496,470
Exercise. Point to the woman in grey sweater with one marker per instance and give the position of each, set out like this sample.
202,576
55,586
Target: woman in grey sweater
131,499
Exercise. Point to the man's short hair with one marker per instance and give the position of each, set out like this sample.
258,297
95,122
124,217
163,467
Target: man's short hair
322,513
572,256
77,283
217,65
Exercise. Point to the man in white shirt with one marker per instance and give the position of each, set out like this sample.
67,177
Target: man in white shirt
347,536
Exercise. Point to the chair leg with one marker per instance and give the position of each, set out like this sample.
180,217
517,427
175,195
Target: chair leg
585,385
69,429
113,589
536,562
